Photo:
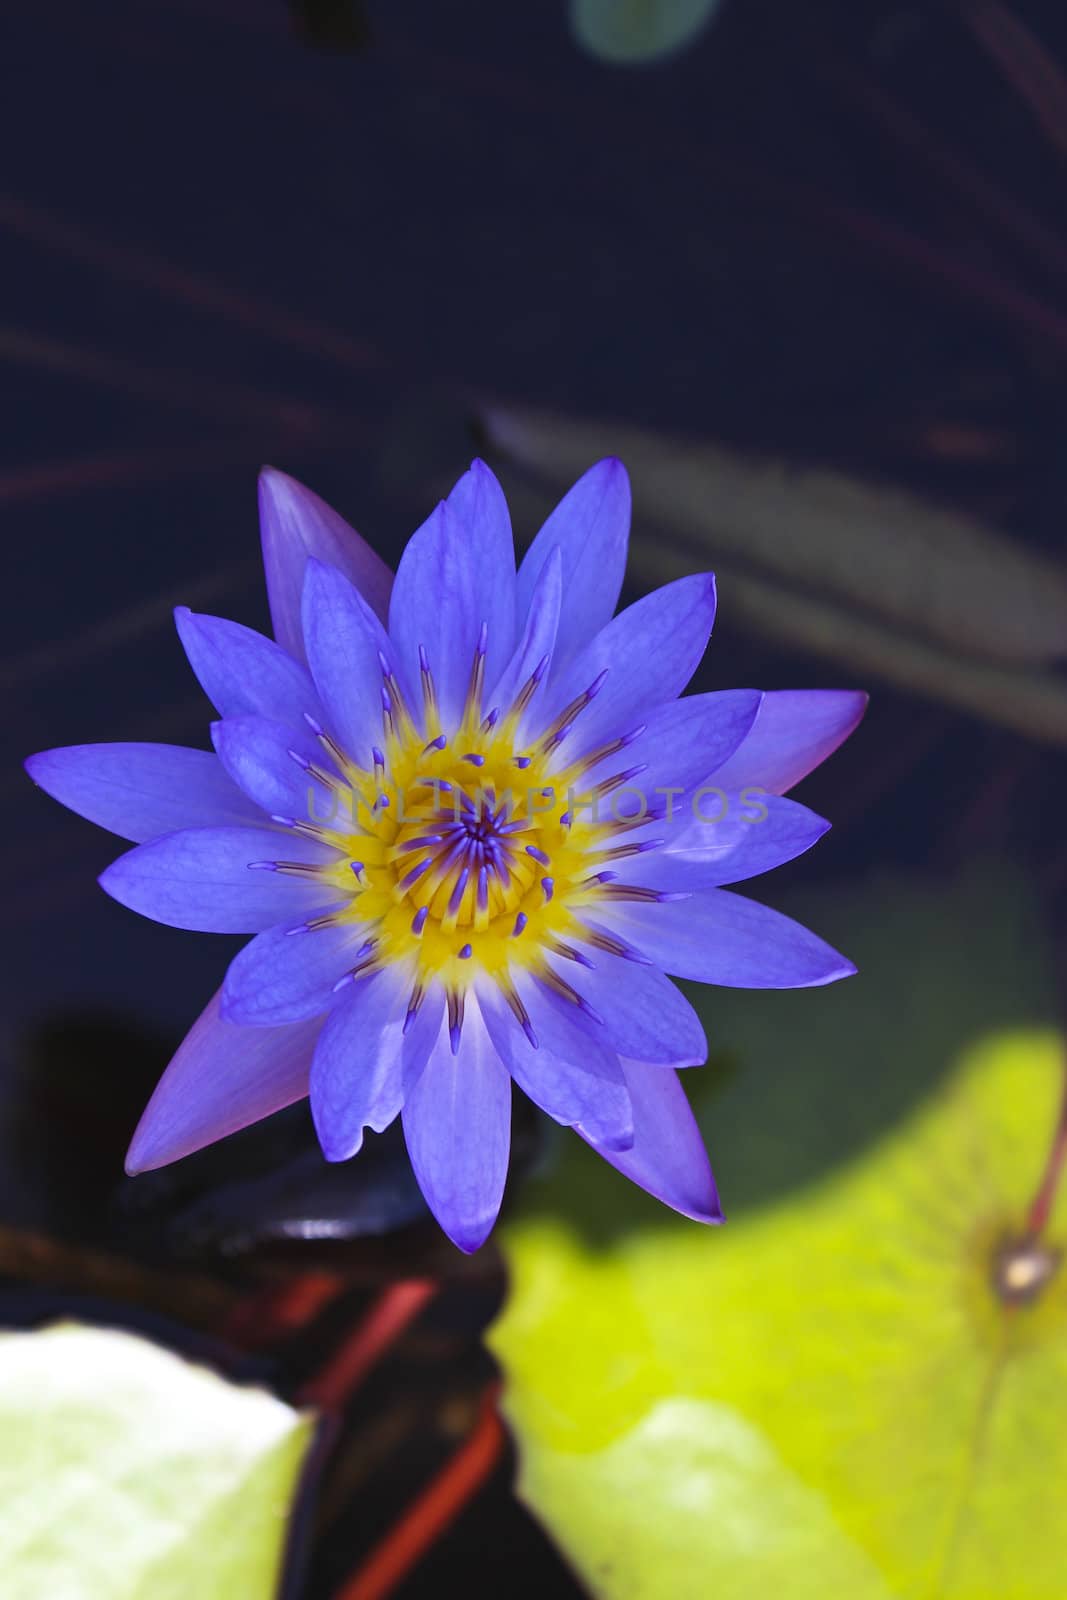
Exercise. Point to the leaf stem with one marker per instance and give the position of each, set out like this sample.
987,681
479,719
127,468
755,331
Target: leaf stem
1044,1199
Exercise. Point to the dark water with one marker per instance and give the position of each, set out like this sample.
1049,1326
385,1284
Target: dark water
224,242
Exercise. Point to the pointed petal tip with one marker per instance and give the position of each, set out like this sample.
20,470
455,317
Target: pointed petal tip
139,1159
337,1151
148,1148
469,1236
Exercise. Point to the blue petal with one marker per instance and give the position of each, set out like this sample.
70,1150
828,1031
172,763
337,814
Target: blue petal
641,1013
357,1076
667,1156
260,756
200,878
457,1124
682,742
571,1076
796,729
296,524
141,790
745,834
650,651
283,977
718,937
456,575
222,1078
244,674
344,642
591,527
536,645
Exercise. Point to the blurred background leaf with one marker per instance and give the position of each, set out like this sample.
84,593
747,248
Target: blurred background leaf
128,1474
633,31
869,576
829,1395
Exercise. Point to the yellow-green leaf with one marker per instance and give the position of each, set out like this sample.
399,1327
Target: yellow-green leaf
830,1395
128,1474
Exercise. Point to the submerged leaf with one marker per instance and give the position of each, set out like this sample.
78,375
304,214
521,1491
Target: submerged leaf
836,1393
632,31
127,1474
869,576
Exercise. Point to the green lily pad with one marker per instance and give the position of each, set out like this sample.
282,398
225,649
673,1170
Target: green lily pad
631,31
128,1474
834,1394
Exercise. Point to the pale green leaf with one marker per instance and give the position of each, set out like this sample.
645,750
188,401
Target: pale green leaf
126,1473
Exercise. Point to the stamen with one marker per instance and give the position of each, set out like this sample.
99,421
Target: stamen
612,749
436,744
548,888
538,855
475,760
418,921
523,761
455,1019
491,720
563,724
568,951
614,946
328,780
629,891
551,978
414,1002
328,920
357,868
608,785
455,899
418,844
293,869
520,924
466,953
477,679
312,830
522,1016
619,851
525,694
415,874
429,694
395,700
367,950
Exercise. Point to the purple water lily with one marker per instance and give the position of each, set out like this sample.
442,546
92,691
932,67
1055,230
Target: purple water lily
472,827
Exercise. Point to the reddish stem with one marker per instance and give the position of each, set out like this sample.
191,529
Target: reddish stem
1025,62
262,1319
1001,207
330,1388
1045,1198
433,1511
129,263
